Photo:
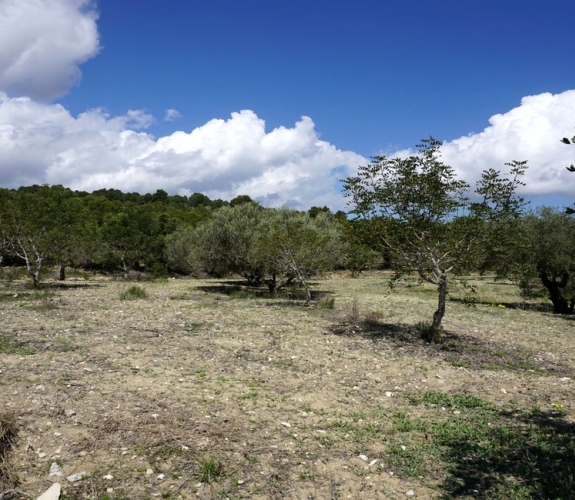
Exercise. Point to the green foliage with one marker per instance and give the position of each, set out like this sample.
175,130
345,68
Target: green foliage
210,470
271,246
418,212
544,255
133,293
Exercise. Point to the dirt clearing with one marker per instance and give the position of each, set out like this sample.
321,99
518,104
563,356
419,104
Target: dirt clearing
201,389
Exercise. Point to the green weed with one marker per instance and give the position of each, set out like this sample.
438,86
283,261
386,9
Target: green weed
133,293
210,470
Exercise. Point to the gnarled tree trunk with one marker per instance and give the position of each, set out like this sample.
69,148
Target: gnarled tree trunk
560,303
435,336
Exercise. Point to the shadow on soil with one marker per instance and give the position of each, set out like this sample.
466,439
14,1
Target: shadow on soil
528,456
236,291
459,350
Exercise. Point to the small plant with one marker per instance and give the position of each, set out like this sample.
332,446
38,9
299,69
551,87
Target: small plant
425,330
210,470
374,318
133,293
327,303
242,294
353,313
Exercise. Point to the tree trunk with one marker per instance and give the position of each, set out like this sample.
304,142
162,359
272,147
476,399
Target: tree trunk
62,272
435,336
560,304
253,279
275,285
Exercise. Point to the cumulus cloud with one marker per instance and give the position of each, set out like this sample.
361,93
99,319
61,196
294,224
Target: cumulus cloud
172,115
42,42
530,132
44,143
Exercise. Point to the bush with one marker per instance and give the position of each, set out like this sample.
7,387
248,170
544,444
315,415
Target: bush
133,293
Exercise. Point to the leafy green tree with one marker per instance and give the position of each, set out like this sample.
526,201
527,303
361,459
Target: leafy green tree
241,199
42,225
544,256
135,236
421,213
298,247
265,246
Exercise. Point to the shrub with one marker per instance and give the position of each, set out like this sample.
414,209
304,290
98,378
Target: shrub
133,293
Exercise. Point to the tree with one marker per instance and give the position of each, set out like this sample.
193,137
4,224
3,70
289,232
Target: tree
545,256
421,213
298,247
241,199
41,226
265,246
135,236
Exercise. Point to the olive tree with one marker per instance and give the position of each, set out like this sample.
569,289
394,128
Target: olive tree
266,246
544,256
39,225
297,246
422,214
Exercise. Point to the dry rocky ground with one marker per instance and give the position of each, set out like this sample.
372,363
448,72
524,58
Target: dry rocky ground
202,390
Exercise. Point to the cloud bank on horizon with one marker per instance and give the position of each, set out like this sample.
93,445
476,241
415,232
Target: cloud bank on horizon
42,42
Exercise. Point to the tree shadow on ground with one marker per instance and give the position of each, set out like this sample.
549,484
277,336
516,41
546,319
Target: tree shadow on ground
237,291
460,350
515,456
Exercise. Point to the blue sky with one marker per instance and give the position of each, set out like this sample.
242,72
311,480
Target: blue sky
372,76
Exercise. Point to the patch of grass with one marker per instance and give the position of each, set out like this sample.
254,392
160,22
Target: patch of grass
210,470
133,293
484,451
353,314
443,399
242,294
10,345
8,436
327,303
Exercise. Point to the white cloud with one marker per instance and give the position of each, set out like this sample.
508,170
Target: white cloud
172,115
42,42
43,143
530,132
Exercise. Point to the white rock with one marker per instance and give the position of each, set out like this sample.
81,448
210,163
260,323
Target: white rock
161,476
563,379
108,476
403,447
389,394
410,493
52,493
77,477
55,470
373,462
286,424
364,458
456,412
70,413
241,481
503,391
149,472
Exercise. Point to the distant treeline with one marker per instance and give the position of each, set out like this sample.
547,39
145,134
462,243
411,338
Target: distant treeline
107,230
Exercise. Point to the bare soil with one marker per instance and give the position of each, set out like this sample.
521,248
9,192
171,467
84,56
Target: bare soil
196,392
